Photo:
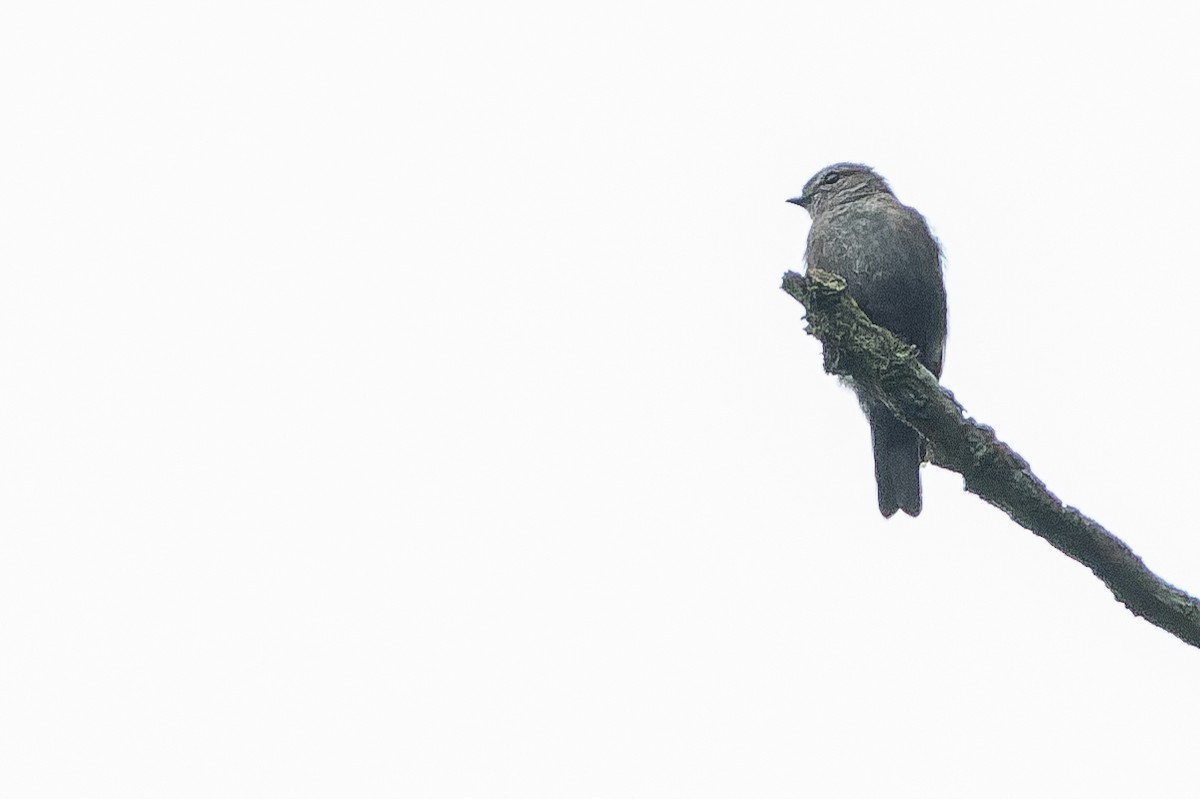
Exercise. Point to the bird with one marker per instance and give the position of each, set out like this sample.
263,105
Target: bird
892,264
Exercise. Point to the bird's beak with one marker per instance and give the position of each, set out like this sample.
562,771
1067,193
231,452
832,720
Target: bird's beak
801,201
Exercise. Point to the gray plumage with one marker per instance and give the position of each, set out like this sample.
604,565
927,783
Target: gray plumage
892,266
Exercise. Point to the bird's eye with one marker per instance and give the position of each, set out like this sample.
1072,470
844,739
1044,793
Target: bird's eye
832,177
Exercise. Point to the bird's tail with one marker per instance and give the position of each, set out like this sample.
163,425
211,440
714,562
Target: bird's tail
897,463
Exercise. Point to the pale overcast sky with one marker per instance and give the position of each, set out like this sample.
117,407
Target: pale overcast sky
399,400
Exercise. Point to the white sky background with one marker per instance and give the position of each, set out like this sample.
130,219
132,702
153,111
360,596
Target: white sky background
398,400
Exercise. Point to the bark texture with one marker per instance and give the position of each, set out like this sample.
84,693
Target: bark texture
888,369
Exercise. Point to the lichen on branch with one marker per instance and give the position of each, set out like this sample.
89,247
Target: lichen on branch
877,362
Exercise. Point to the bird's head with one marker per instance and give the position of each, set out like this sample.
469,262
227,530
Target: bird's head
838,184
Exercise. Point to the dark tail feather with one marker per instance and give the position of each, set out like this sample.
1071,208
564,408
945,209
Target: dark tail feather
897,463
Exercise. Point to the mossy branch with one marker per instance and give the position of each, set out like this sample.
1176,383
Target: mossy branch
887,368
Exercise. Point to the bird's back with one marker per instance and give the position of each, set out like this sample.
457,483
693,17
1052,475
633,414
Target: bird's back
892,267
